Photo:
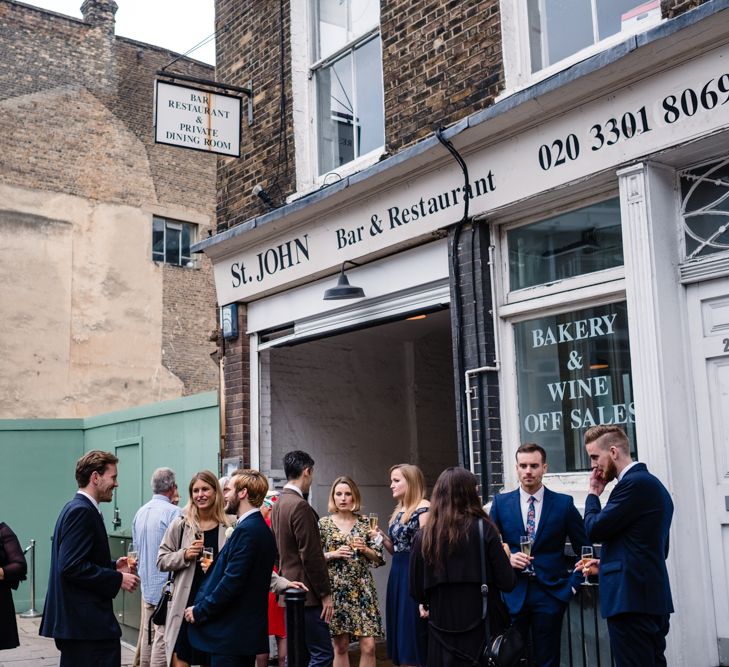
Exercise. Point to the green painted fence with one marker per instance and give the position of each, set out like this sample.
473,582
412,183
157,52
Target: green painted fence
38,458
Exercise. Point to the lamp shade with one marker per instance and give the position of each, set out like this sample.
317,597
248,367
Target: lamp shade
343,290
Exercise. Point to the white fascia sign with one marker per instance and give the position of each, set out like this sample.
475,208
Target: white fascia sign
197,119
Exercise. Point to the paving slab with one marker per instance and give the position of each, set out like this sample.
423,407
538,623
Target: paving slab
35,650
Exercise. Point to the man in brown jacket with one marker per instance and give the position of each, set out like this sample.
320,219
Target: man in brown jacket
296,529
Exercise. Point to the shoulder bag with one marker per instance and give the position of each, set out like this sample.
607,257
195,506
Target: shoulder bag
159,615
507,649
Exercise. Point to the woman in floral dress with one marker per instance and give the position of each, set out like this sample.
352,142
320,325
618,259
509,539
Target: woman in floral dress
351,552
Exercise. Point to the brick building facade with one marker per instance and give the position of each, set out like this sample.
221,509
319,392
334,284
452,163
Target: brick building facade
529,203
94,323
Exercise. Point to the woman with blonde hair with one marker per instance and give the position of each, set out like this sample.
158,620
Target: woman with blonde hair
351,553
406,631
203,523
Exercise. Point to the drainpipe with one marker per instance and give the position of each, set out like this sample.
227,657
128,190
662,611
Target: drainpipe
483,369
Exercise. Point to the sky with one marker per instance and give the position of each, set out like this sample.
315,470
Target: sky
173,24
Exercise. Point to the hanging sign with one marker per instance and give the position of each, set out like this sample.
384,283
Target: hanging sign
197,119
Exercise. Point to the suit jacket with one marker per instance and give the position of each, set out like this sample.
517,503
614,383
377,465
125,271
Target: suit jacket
633,528
301,557
231,607
83,579
559,519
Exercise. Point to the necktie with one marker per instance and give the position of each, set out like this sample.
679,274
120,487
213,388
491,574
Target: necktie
531,515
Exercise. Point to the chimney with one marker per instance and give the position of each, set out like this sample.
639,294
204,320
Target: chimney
100,13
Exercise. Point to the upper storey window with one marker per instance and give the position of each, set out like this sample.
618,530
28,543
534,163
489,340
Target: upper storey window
544,36
347,71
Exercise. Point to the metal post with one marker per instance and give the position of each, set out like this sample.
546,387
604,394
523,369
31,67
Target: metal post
295,631
32,612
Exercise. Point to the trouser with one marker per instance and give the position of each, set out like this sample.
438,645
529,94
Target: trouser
99,653
540,623
232,660
146,654
638,640
318,639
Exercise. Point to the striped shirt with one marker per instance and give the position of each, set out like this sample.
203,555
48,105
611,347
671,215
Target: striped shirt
148,529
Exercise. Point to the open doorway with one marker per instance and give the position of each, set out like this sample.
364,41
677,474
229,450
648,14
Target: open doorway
360,402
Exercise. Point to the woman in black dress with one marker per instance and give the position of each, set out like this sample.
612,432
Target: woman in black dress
445,569
13,569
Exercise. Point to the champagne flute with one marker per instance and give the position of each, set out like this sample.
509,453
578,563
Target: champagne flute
207,557
525,544
374,520
132,556
587,555
353,547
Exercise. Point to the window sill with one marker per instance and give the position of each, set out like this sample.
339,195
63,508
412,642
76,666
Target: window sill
356,165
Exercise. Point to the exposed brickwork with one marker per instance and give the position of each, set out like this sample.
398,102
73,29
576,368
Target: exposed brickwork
77,114
671,8
441,61
251,50
476,348
238,394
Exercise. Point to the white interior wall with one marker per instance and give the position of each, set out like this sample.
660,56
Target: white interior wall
359,403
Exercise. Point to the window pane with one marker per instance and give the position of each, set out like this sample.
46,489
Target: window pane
186,239
610,13
557,29
582,241
172,250
335,112
369,101
705,207
158,239
573,372
342,21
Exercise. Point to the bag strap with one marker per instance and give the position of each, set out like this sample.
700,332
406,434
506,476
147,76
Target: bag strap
484,585
171,574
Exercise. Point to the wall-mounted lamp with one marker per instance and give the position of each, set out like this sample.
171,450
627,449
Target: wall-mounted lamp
343,290
262,193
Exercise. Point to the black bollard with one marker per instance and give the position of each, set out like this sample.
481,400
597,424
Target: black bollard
295,631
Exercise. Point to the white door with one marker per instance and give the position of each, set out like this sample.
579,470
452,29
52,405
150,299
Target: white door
708,308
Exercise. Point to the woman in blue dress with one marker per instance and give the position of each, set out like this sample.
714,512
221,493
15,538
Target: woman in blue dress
406,631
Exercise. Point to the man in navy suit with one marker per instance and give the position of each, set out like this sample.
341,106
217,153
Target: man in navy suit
539,600
229,619
78,612
635,594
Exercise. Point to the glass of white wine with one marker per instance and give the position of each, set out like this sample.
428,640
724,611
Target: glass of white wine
132,556
374,520
525,544
587,555
207,557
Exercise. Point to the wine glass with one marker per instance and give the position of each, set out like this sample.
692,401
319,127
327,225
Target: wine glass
207,557
525,544
374,520
132,556
587,555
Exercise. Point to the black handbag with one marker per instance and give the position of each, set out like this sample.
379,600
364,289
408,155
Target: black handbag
159,615
507,649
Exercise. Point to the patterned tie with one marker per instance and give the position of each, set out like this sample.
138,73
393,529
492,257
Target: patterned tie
531,515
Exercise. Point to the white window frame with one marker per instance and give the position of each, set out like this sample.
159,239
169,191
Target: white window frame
583,291
303,86
515,40
185,262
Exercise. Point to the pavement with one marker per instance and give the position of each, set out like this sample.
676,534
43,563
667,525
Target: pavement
35,650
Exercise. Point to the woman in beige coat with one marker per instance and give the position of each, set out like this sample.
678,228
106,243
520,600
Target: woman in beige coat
203,523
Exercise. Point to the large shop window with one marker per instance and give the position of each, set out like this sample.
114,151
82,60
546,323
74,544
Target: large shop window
573,372
171,241
348,76
570,244
560,28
